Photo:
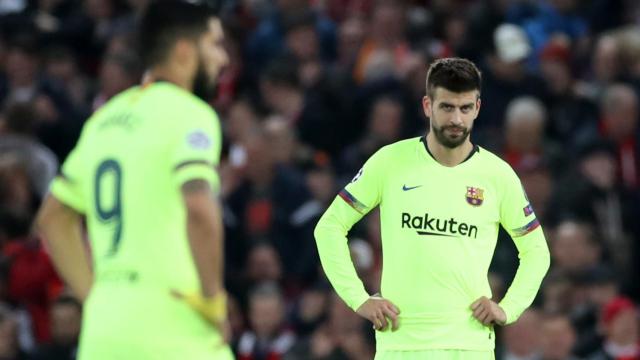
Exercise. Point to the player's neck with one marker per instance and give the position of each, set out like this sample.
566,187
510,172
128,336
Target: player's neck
165,73
447,156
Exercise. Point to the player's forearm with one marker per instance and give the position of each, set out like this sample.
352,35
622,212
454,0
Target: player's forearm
60,228
330,234
534,263
206,236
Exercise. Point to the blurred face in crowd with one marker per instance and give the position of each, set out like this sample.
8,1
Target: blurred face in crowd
21,67
600,169
240,121
557,75
556,292
601,294
525,128
282,139
573,249
624,328
522,337
557,338
452,115
350,38
8,338
65,323
620,105
266,313
322,185
99,9
303,43
606,59
387,25
260,159
114,78
385,122
212,56
263,264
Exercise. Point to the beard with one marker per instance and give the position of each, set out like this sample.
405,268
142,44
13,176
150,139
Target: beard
202,85
450,141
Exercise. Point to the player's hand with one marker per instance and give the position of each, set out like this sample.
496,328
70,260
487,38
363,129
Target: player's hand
488,312
377,310
213,310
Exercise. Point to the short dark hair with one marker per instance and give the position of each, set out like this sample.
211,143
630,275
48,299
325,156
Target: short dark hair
282,71
454,74
166,21
21,118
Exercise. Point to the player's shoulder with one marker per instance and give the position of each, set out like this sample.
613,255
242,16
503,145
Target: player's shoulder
181,100
399,148
495,163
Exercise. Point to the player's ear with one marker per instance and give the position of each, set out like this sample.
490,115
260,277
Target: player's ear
478,103
427,106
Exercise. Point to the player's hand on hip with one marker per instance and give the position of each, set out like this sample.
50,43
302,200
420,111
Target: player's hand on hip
488,312
379,311
212,309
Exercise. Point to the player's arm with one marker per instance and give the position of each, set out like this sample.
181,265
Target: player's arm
353,202
194,155
518,218
205,233
59,222
61,229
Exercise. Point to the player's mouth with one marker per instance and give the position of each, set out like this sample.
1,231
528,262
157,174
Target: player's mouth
455,130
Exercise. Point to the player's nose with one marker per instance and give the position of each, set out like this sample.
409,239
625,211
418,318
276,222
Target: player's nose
456,119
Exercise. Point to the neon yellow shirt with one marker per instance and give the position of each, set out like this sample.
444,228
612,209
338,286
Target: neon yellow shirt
439,230
125,174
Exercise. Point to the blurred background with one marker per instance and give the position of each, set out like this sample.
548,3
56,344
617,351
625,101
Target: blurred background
313,88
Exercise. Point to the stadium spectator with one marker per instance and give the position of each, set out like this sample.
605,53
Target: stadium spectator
569,111
269,337
266,205
621,330
9,346
346,63
595,194
118,72
619,124
522,338
525,146
384,126
18,137
575,248
66,319
557,337
283,94
506,77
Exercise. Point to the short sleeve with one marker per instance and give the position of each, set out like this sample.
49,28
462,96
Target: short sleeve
196,152
516,214
363,193
67,185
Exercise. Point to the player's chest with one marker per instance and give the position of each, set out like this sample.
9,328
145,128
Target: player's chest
418,195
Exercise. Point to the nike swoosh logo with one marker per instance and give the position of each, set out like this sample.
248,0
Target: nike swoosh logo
406,188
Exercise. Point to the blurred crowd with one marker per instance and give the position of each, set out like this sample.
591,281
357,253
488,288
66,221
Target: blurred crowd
313,88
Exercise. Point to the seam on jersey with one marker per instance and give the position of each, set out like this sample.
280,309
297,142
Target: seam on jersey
352,201
192,162
521,231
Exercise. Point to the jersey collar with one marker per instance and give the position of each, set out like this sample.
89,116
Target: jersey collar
474,150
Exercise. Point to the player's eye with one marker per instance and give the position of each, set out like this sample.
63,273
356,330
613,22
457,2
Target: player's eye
446,107
465,109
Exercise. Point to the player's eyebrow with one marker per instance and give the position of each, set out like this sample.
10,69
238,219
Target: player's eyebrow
444,103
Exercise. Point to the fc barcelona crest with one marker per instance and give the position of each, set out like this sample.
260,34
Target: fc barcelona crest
475,196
